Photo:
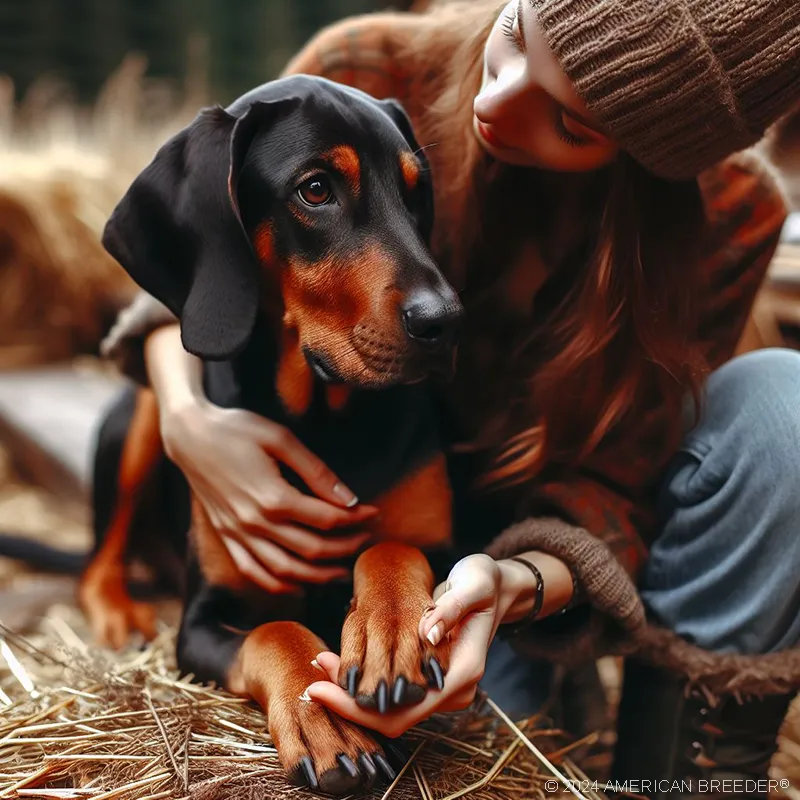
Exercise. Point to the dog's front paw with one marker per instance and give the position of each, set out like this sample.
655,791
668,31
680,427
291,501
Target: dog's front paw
327,754
384,661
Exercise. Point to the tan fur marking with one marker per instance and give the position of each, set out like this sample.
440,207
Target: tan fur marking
418,510
295,383
302,218
326,300
264,244
410,169
337,396
345,159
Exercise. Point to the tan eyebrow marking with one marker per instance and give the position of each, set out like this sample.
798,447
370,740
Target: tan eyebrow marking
345,159
410,169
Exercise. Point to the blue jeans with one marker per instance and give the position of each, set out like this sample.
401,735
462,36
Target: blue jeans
724,572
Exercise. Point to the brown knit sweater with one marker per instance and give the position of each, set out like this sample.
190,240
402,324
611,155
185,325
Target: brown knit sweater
597,521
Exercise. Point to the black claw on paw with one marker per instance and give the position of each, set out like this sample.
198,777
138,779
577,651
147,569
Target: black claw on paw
385,766
369,770
352,681
305,775
348,765
435,676
397,751
405,693
383,697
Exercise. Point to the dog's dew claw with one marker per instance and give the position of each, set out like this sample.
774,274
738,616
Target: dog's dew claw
352,681
383,697
435,676
369,770
385,766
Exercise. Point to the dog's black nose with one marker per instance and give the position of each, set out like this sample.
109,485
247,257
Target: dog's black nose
431,319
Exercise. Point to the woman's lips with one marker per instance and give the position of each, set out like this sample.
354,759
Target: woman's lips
487,134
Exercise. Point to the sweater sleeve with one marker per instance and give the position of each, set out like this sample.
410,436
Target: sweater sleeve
595,522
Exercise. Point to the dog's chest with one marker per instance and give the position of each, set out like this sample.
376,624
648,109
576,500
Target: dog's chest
371,444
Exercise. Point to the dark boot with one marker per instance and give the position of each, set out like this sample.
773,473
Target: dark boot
681,743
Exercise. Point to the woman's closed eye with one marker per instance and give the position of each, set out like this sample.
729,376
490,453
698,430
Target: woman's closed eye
569,130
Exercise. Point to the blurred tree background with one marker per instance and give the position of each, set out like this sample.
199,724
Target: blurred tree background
81,42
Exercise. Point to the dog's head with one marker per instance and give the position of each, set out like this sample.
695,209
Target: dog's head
309,199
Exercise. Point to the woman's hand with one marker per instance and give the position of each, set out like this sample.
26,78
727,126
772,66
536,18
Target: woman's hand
479,594
231,457
469,607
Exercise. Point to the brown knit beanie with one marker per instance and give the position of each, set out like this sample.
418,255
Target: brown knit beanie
679,84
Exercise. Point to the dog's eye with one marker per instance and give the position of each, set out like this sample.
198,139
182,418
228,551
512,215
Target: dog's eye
315,191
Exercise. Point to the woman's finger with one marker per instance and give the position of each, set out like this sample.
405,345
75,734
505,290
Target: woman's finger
329,664
312,546
286,567
252,570
291,505
392,724
283,445
472,586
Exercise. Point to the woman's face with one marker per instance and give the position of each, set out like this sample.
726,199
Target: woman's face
527,112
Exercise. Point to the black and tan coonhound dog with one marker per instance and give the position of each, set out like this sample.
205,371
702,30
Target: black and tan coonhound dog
288,233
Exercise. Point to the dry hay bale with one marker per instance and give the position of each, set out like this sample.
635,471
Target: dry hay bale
62,170
79,724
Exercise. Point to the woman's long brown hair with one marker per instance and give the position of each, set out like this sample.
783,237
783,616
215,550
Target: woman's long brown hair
610,351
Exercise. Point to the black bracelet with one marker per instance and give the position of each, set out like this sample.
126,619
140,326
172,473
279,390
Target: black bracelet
577,595
512,629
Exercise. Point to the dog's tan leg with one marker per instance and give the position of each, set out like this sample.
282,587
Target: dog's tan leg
384,662
103,592
317,748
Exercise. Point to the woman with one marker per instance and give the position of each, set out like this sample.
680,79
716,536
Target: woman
607,250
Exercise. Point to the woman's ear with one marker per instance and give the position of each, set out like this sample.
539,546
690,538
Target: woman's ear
178,234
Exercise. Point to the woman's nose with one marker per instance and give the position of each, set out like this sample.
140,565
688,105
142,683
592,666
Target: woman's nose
495,100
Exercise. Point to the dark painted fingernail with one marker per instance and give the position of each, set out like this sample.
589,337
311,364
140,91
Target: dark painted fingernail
385,766
383,697
435,676
369,769
307,766
348,765
352,681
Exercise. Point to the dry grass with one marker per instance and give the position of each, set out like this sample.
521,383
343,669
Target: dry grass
79,723
62,170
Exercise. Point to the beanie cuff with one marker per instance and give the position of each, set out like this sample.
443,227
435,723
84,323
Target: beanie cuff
667,78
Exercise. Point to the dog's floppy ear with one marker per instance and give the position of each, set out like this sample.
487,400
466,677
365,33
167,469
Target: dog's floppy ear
177,230
398,114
